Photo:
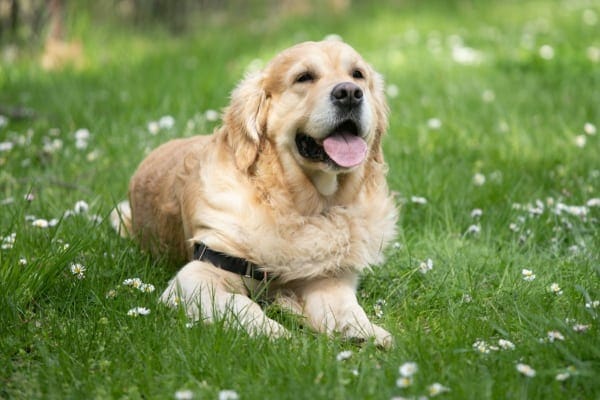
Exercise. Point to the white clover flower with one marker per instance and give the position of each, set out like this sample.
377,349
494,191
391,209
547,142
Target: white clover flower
466,298
404,382
426,266
563,376
344,355
528,275
593,54
488,96
153,127
580,328
3,121
506,344
8,242
137,311
437,388
476,213
211,115
589,17
78,270
473,229
526,370
478,179
466,55
6,146
580,141
22,261
82,134
147,287
513,227
408,369
40,223
595,202
555,335
184,395
111,294
546,52
434,123
589,128
81,207
481,347
592,304
392,91
555,288
334,37
166,122
228,395
418,200
133,282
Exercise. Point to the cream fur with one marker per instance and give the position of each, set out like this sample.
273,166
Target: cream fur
247,192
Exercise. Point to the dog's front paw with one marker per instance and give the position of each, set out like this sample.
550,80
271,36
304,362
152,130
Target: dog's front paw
382,338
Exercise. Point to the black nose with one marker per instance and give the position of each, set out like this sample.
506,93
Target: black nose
346,95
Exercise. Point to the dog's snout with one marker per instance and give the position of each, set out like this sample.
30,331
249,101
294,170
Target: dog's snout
346,94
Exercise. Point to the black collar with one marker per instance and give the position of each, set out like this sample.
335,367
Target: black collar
229,263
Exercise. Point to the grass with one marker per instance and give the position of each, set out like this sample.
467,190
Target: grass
514,117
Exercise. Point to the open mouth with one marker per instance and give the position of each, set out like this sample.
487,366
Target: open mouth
343,147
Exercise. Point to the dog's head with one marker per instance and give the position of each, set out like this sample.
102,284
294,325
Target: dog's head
321,106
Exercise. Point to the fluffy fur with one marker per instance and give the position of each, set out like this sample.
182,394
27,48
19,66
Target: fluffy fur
247,191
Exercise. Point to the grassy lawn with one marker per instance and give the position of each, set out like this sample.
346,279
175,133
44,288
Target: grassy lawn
493,150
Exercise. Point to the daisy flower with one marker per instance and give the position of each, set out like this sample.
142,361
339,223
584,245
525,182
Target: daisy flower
133,282
211,115
528,275
147,287
418,200
436,389
579,328
8,242
78,270
426,266
506,344
184,395
81,207
344,355
478,179
563,376
434,123
408,369
526,370
589,128
555,288
555,335
40,223
228,395
476,213
404,382
136,311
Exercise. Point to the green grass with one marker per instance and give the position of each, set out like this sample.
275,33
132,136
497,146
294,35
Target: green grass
62,337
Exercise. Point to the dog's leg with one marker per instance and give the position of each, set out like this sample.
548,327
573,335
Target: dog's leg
330,305
200,288
120,219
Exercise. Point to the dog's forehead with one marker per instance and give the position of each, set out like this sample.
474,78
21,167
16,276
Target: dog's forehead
326,53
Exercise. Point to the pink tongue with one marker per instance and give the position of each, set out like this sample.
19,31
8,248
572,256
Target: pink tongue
346,149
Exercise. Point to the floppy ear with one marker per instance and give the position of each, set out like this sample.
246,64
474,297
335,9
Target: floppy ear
381,115
245,120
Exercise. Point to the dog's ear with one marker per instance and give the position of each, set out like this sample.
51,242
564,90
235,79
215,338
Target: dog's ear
381,115
245,120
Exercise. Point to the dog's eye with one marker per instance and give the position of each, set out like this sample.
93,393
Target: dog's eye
357,74
305,77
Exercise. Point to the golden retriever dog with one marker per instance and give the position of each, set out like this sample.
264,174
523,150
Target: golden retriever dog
287,199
